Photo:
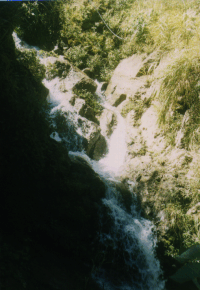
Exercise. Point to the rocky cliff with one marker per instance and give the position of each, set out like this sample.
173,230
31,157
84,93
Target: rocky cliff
165,175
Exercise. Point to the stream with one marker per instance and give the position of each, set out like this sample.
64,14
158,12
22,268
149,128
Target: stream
126,241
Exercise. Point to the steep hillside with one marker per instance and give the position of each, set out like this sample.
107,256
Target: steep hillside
147,54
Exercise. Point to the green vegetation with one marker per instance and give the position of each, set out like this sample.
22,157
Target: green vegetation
38,168
89,42
40,23
179,96
58,69
145,26
29,59
91,100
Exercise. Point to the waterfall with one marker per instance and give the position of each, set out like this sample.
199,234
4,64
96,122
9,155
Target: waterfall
126,242
117,148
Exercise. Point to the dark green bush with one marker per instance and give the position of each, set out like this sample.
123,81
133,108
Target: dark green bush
90,100
58,69
40,23
29,59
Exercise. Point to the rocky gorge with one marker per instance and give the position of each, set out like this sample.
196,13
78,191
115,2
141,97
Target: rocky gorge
159,172
99,192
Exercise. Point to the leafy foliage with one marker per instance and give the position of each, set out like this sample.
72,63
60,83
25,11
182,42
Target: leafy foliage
58,69
29,59
90,100
40,23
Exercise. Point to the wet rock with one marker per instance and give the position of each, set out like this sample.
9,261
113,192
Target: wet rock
96,145
69,76
88,113
72,100
99,149
79,104
126,195
108,121
90,131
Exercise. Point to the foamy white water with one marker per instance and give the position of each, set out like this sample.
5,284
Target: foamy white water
130,237
117,149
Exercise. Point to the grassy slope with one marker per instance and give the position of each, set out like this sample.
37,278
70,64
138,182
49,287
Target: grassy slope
173,29
146,26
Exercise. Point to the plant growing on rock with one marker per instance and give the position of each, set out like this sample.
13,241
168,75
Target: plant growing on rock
40,23
90,99
58,69
179,98
29,59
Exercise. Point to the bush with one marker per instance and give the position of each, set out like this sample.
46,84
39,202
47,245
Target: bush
40,23
90,100
29,59
58,69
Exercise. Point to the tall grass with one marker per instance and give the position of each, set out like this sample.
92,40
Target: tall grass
145,25
179,98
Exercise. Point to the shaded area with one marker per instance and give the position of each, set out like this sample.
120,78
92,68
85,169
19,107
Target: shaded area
49,205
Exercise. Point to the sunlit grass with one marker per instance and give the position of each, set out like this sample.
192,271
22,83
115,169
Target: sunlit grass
171,28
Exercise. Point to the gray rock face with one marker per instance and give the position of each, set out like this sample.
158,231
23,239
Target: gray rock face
159,170
69,77
86,128
79,104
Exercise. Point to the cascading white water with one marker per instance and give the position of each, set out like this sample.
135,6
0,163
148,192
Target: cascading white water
130,237
130,230
117,148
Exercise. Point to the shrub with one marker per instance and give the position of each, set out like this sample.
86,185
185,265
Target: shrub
58,69
40,23
90,100
29,59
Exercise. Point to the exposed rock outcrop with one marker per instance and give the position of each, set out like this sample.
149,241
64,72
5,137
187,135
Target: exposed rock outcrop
86,130
162,174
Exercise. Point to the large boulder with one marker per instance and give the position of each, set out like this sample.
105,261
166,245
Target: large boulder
78,104
99,149
94,143
123,79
